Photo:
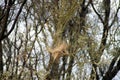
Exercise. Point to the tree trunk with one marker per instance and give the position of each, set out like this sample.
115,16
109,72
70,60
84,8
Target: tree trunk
106,28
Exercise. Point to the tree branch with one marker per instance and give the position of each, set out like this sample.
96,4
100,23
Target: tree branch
13,26
99,16
114,17
113,71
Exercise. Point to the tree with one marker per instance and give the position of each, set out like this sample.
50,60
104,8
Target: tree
59,39
7,15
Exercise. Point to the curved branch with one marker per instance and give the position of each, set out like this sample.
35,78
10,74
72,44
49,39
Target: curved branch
114,17
99,16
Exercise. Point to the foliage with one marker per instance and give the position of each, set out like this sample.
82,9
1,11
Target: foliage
59,39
